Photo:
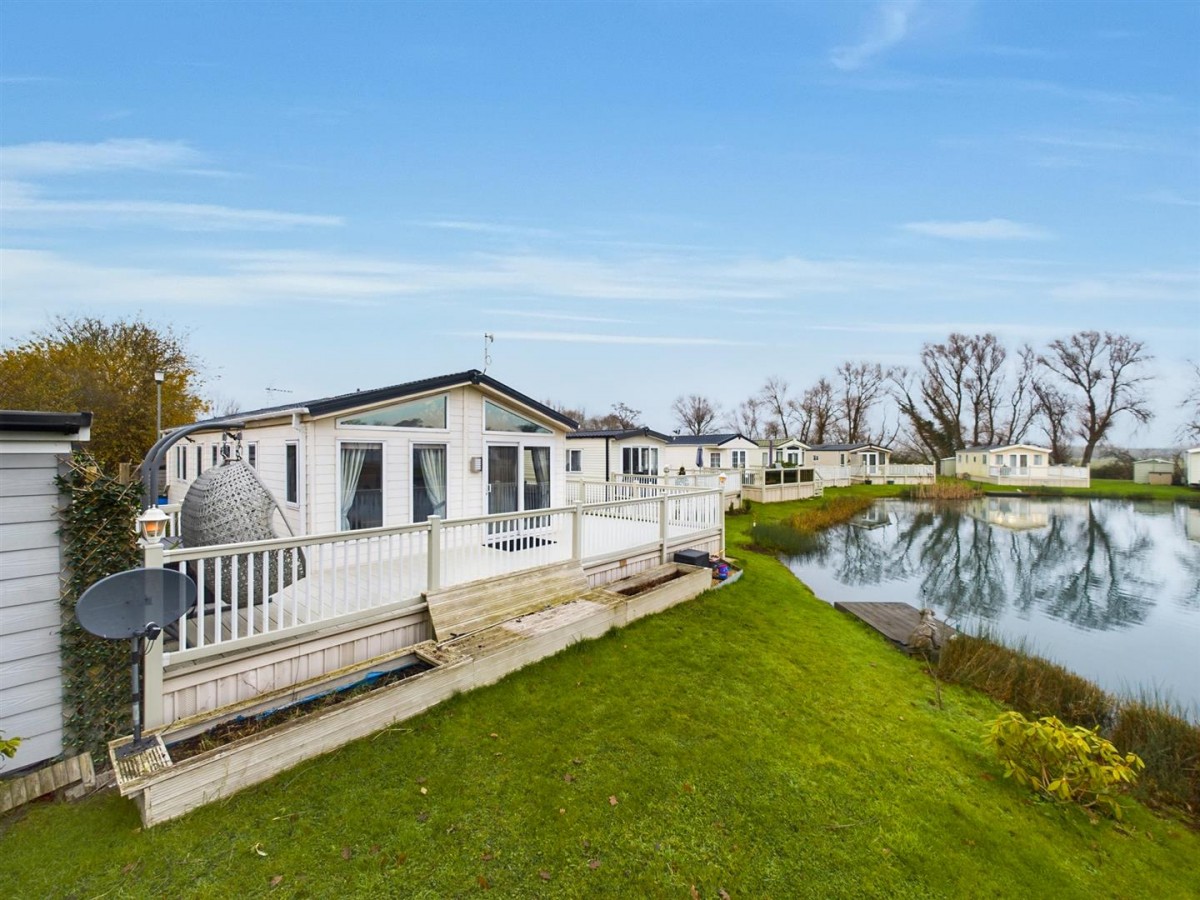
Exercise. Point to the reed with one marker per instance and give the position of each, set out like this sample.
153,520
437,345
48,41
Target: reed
1156,730
828,512
944,489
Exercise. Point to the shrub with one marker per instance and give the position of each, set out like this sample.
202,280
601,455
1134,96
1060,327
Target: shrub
1062,762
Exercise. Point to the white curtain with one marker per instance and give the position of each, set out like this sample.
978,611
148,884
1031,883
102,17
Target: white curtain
433,469
352,464
541,472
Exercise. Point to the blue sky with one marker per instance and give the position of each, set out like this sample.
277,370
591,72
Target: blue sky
638,200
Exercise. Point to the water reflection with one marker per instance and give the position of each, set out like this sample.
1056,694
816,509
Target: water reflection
1049,572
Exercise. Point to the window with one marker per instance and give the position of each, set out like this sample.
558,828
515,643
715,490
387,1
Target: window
497,418
841,459
252,455
181,463
199,458
215,448
574,460
737,459
291,452
360,479
999,459
1037,459
714,460
428,412
639,460
428,482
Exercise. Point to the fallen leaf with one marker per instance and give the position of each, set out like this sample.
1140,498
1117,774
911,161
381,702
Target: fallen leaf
688,789
276,881
612,801
346,853
422,817
422,780
577,762
544,875
487,856
568,778
695,893
986,777
593,863
257,848
587,845
401,858
375,848
887,852
424,790
129,867
561,811
494,735
723,894
483,882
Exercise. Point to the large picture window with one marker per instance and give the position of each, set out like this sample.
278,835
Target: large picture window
428,482
639,460
497,418
361,481
428,412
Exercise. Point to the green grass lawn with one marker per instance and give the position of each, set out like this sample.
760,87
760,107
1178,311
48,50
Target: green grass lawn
1104,487
753,741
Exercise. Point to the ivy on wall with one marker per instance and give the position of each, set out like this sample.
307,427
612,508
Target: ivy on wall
98,539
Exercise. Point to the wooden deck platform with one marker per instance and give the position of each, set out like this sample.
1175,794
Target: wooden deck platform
895,621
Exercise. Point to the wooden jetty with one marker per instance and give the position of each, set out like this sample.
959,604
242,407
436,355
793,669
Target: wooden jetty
895,621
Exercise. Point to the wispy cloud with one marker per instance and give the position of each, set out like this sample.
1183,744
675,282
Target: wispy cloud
1170,198
24,207
580,337
495,228
1152,286
891,24
56,158
983,230
556,317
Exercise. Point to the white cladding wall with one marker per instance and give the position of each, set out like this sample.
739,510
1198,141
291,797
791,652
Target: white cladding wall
319,454
685,454
30,616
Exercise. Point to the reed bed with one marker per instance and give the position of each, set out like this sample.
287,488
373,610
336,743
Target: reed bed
1149,726
944,489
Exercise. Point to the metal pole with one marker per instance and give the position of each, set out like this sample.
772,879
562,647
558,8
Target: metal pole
158,411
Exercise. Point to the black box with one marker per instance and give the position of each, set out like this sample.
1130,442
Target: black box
692,558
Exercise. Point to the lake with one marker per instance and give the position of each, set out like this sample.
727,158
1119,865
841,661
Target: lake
1108,588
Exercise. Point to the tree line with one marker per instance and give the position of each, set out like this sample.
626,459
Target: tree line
967,391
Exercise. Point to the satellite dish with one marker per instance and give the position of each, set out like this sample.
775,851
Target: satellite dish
134,603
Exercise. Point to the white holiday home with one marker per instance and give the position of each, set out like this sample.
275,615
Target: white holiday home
1017,464
453,446
711,451
598,455
782,452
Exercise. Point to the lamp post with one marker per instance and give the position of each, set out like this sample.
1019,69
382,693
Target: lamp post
159,375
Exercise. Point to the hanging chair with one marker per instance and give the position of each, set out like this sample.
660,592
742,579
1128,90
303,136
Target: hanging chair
229,504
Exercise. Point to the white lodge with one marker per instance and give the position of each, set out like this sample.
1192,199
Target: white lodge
454,446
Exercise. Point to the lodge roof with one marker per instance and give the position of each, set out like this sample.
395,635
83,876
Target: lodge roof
620,434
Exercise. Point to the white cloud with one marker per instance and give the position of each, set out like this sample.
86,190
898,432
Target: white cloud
23,207
557,317
892,22
56,158
579,337
982,230
1171,198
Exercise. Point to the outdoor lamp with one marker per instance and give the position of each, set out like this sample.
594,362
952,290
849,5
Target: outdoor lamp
153,525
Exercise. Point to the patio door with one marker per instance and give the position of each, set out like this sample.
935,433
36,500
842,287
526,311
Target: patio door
518,479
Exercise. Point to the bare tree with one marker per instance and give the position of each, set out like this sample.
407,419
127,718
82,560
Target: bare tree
1103,371
774,398
744,418
1054,408
1189,430
861,388
1021,407
694,413
816,413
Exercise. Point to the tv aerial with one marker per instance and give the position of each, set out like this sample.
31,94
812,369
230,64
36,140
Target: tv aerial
137,605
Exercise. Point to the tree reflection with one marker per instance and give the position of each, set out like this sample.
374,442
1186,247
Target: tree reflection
1092,565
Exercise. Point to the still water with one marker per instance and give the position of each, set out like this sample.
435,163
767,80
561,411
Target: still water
1108,588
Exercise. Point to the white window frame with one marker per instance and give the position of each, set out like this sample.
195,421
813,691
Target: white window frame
413,447
252,454
737,459
714,459
293,502
644,457
407,429
337,470
574,460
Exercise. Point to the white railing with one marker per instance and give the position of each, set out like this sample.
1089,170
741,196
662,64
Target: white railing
267,587
171,511
1072,473
729,479
897,470
833,476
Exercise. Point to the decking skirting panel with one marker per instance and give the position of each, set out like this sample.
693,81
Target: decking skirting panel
193,689
486,657
600,574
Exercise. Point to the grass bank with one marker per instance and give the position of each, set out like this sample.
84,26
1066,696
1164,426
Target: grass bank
753,741
1111,488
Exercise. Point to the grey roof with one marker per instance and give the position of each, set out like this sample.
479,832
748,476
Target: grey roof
55,422
620,434
846,447
326,405
983,449
780,442
703,440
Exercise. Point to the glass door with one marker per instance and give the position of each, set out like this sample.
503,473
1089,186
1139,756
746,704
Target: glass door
503,479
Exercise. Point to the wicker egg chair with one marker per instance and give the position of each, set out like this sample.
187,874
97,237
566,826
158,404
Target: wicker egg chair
229,504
